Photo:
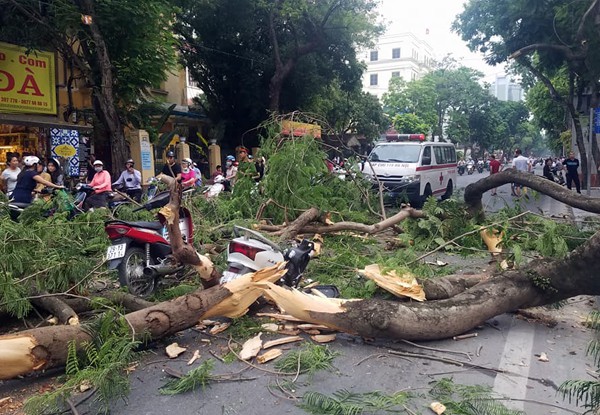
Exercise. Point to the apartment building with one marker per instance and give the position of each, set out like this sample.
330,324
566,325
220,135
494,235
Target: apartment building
395,55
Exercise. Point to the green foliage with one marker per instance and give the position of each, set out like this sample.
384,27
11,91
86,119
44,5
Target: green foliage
468,400
344,402
102,365
174,292
229,49
410,124
199,377
244,327
48,254
310,359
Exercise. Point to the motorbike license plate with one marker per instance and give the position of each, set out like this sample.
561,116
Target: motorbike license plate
115,251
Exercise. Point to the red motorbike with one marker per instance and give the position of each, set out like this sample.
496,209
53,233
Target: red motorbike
141,252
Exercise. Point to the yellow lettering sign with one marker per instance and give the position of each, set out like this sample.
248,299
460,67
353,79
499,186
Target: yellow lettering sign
65,150
27,81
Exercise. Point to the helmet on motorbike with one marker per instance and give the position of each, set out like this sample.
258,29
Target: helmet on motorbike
170,154
98,163
230,158
30,160
130,161
188,161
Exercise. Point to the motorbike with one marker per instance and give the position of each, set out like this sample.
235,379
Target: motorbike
140,251
461,169
83,191
213,190
558,176
480,167
470,168
249,251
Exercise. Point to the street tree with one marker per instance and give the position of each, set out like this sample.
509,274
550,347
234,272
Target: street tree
252,58
545,39
409,124
121,51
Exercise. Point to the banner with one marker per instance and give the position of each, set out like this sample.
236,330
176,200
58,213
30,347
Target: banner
65,144
27,81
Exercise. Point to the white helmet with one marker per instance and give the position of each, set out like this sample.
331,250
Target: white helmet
30,160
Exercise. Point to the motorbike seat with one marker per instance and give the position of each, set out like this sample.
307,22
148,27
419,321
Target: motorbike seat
155,226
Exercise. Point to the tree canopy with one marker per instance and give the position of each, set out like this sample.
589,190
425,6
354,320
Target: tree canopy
255,57
545,39
127,48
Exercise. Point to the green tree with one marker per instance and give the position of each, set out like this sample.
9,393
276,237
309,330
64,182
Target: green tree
255,57
544,38
409,124
127,48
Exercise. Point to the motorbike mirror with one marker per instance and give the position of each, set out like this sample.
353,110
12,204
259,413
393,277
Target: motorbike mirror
158,201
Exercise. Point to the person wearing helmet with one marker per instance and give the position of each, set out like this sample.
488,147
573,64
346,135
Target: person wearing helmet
171,168
28,179
196,169
102,185
130,181
55,172
188,175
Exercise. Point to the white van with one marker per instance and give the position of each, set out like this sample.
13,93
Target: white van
413,169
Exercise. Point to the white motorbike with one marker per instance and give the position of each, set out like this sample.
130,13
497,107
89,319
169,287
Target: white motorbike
249,251
213,190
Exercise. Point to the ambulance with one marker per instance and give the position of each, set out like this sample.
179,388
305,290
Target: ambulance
409,169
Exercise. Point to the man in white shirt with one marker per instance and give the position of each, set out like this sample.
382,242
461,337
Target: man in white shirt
522,164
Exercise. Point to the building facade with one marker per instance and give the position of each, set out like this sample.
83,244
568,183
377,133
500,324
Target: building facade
396,55
505,90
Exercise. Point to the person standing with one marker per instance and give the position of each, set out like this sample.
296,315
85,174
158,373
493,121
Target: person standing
131,180
521,163
572,164
495,167
10,174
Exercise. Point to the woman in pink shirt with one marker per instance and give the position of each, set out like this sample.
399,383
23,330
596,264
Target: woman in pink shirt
188,175
101,183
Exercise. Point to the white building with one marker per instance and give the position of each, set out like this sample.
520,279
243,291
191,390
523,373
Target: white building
402,55
505,90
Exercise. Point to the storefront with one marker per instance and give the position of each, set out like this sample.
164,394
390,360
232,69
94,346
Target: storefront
31,114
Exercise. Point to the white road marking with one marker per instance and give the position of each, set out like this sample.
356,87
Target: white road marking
516,358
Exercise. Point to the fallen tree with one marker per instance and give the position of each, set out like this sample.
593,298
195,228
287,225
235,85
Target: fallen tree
473,300
474,192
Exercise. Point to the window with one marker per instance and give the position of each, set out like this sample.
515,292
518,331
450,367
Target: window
374,55
395,74
373,79
396,53
426,159
444,154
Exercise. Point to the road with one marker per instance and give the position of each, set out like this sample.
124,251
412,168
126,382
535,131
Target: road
503,356
505,353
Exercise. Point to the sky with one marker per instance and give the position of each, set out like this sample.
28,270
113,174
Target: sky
417,16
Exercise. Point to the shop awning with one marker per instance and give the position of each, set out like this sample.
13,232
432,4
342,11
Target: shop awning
41,121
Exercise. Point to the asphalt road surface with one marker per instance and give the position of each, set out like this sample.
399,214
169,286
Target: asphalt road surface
503,356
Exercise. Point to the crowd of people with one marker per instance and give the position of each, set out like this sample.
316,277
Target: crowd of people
25,178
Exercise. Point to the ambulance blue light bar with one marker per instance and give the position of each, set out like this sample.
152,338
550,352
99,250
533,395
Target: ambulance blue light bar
405,137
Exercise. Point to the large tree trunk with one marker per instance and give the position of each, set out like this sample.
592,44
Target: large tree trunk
104,99
475,191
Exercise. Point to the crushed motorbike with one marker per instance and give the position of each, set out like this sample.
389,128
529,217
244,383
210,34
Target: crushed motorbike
140,250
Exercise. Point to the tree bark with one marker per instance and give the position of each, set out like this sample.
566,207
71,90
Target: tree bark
104,98
404,213
474,191
539,283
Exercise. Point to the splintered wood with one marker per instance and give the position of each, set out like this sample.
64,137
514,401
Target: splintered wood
405,285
